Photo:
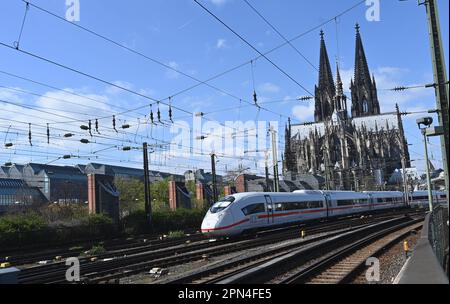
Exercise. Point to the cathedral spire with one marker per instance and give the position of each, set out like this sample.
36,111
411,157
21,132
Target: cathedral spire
340,98
325,74
325,90
363,87
340,89
362,74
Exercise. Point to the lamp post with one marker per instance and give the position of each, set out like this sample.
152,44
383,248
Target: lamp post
427,121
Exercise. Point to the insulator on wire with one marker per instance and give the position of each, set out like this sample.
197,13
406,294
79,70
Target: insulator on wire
96,126
170,109
159,114
29,134
84,141
126,148
125,126
90,127
397,89
8,145
67,156
152,118
114,123
84,127
48,135
255,98
304,98
67,135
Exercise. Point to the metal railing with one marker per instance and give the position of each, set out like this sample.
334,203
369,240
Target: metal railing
438,234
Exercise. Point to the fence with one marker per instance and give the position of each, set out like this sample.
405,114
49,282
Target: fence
438,234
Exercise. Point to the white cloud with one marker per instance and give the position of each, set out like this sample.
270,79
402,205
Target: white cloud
170,73
269,87
304,113
221,43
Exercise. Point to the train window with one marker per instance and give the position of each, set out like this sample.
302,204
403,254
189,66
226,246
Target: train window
292,206
279,207
254,208
300,205
222,204
313,205
345,202
363,201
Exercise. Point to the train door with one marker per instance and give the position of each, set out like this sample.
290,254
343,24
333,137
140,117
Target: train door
371,201
328,205
270,209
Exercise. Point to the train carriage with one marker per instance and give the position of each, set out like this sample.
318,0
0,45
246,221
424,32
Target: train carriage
386,199
237,213
419,199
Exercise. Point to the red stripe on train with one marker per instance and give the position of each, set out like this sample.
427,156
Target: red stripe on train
226,227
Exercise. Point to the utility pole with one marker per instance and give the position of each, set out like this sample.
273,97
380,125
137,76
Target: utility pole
403,154
430,193
148,206
440,80
214,178
276,181
266,165
325,156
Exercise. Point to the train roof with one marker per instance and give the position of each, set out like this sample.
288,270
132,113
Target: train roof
309,193
384,193
317,194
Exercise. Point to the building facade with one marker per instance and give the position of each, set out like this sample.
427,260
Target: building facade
356,149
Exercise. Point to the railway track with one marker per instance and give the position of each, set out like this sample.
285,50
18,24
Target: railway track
113,246
278,267
122,263
341,267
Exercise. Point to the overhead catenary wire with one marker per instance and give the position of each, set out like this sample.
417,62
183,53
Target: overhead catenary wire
253,47
225,72
281,35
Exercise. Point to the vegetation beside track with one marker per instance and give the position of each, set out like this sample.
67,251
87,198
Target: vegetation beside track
44,228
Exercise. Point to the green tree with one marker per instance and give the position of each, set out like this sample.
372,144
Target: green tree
160,195
131,194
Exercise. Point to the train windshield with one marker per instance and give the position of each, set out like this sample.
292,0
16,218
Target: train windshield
222,204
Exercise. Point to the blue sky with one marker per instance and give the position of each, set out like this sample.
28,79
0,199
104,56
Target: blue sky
182,35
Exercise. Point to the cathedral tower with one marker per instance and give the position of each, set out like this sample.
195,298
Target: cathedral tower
325,91
363,87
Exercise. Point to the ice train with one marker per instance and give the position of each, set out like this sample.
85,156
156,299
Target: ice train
243,212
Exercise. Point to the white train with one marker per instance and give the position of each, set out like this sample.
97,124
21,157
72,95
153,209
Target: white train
251,211
420,198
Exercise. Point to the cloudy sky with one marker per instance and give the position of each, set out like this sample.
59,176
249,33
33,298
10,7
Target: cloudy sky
182,36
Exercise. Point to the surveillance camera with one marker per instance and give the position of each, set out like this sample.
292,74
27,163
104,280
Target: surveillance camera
426,121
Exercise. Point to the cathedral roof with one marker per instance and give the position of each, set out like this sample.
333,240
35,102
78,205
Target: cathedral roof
369,123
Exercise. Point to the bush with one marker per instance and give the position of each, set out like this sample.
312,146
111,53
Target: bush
32,229
96,250
175,234
23,228
164,221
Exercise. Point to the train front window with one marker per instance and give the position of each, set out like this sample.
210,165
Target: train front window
222,204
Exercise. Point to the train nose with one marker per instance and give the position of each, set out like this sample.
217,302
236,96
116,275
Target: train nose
212,223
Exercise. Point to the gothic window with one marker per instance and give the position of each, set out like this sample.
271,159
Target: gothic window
365,106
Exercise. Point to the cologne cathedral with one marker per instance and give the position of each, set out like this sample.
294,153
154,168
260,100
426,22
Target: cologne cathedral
352,149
